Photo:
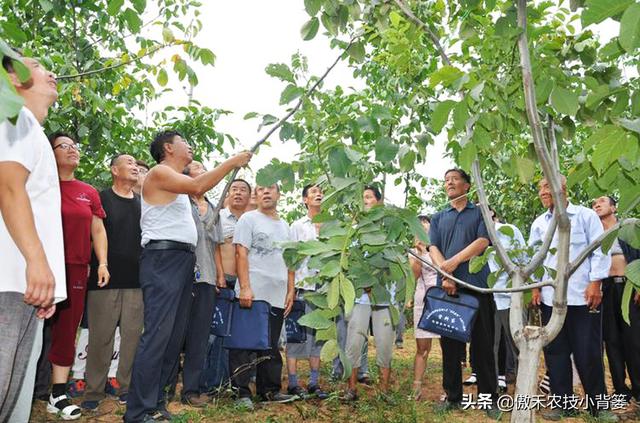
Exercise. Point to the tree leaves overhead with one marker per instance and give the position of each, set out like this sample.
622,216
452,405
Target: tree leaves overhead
598,10
564,101
310,29
630,28
609,145
385,149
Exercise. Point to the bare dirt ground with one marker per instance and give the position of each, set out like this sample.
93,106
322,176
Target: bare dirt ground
394,407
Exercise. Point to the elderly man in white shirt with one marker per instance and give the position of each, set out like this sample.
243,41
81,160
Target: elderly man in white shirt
304,229
581,334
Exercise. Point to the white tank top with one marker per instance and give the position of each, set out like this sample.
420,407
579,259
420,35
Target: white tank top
170,222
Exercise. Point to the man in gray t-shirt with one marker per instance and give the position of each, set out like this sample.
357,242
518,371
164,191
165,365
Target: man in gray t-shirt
263,275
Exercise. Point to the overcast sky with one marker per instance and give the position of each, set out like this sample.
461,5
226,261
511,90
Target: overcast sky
246,36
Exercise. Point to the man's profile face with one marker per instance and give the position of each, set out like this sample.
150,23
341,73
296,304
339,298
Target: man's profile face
314,197
455,185
603,207
42,82
125,168
239,195
369,199
180,148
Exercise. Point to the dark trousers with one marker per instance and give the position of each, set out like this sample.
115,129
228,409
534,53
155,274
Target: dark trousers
621,341
43,372
166,279
581,335
269,372
216,369
481,353
195,349
503,346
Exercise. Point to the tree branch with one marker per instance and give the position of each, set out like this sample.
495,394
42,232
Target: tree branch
117,65
507,263
553,144
434,38
281,122
475,288
573,266
540,255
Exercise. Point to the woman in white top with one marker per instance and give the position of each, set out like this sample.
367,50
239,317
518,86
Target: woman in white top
425,278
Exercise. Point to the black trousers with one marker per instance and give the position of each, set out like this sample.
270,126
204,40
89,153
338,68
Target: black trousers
621,341
195,348
482,357
166,279
581,335
268,372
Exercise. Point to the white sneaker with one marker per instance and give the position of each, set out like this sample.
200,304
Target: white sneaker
502,383
63,407
471,380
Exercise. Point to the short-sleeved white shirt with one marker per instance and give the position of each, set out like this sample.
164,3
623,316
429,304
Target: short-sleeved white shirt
303,229
26,144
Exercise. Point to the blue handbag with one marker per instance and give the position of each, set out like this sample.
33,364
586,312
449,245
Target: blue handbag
449,316
296,334
250,328
222,314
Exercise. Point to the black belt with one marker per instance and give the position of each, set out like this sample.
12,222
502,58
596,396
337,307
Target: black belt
169,245
615,279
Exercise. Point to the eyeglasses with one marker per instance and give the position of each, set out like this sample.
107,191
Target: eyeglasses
66,146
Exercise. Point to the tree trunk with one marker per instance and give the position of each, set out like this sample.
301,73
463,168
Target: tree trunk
527,380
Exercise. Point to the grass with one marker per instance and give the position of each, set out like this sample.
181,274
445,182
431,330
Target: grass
373,406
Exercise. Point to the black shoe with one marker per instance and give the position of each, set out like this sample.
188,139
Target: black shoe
315,391
279,397
162,414
446,406
364,380
297,391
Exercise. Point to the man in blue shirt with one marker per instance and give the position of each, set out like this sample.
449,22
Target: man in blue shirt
458,234
581,334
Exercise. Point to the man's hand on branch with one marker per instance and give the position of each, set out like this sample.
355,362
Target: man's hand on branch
242,159
449,286
593,294
536,297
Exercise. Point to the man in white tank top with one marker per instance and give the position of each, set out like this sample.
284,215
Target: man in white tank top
167,265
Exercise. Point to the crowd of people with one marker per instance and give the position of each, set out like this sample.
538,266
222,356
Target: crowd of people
144,260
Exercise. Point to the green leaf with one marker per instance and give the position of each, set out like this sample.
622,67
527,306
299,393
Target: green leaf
460,115
329,351
374,239
280,71
133,20
114,6
564,101
139,5
339,162
290,93
507,230
333,294
23,72
598,10
477,263
276,172
330,270
46,5
11,102
207,57
167,35
608,142
312,6
626,300
14,31
446,76
440,115
357,51
162,77
544,86
310,29
630,234
526,169
467,155
631,125
386,150
346,365
630,28
315,320
408,161
607,242
348,294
